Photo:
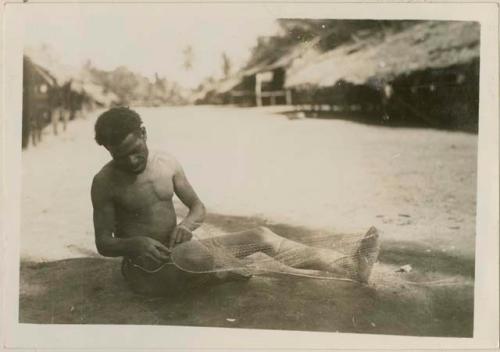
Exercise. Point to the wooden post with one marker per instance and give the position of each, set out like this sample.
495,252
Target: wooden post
288,97
258,90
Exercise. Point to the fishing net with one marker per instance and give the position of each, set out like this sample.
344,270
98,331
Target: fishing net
339,257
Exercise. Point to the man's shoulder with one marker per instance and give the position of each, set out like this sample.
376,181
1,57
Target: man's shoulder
165,159
102,189
104,175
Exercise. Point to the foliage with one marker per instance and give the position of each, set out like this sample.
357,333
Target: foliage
135,89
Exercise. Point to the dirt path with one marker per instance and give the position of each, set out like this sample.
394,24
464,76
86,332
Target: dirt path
253,167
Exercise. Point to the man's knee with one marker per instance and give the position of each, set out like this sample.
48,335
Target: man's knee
265,233
193,255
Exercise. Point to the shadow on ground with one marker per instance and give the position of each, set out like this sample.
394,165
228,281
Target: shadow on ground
376,119
90,290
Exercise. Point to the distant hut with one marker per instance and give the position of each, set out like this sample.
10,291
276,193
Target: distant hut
55,93
38,90
262,85
427,73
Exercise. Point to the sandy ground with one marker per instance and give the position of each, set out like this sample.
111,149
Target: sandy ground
301,178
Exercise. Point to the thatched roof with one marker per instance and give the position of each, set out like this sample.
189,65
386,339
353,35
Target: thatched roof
43,73
220,86
225,85
431,44
45,57
45,60
297,52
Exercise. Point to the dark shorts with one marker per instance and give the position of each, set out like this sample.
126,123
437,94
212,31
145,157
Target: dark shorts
149,278
165,279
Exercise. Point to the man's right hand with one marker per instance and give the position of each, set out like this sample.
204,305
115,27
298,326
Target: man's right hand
149,248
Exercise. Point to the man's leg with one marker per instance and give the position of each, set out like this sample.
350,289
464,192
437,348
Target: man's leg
298,255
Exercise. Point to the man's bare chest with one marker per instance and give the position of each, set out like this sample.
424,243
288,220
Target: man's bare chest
143,192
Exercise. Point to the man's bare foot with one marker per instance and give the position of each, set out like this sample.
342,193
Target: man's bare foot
367,254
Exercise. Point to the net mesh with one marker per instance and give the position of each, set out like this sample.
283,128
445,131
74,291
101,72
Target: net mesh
343,257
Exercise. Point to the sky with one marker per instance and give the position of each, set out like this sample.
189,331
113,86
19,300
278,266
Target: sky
148,39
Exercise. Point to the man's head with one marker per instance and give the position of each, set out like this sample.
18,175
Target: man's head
121,132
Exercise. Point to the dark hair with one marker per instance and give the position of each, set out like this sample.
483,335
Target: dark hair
114,125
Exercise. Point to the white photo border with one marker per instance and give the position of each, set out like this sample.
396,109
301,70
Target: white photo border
486,322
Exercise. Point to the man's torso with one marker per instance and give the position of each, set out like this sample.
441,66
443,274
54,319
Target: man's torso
143,203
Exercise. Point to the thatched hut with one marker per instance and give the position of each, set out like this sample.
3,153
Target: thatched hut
54,93
262,83
39,86
427,73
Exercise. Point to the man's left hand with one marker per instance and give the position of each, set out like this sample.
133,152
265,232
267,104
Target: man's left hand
181,234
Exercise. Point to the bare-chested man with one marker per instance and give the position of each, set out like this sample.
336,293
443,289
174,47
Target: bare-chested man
134,216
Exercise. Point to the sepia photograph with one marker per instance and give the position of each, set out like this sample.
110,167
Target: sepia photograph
313,174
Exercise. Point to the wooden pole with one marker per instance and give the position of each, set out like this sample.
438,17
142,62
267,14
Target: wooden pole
288,97
258,91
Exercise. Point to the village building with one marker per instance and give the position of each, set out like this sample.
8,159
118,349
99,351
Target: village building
38,89
425,73
421,75
55,94
260,84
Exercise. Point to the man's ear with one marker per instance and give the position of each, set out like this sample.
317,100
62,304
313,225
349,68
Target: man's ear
144,133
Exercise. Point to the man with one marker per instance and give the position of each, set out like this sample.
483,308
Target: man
134,218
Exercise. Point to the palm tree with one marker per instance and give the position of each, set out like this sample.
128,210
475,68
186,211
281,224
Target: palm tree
188,57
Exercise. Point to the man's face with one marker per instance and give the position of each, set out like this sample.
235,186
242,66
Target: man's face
131,155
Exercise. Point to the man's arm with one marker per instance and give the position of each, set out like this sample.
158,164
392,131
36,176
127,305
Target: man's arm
188,196
104,223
